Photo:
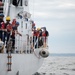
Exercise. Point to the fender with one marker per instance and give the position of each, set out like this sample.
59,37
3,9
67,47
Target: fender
44,53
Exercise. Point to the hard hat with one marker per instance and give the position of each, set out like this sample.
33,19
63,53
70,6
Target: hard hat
43,28
38,28
17,23
1,15
7,18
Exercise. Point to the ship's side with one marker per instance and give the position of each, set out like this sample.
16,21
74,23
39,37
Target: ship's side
24,59
20,64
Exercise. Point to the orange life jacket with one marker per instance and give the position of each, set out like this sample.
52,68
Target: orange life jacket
9,27
2,25
34,33
37,34
44,34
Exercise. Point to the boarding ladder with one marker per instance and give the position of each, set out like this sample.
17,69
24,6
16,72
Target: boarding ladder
9,49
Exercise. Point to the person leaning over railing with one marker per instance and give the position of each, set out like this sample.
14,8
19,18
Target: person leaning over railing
14,30
45,34
38,37
9,29
34,35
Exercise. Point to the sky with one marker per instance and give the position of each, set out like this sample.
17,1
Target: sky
58,16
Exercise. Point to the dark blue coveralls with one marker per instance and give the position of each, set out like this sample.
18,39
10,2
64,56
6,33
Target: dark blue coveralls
1,28
13,35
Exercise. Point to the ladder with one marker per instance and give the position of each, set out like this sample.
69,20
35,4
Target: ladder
9,49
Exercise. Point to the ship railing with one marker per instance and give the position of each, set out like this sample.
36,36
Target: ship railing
24,45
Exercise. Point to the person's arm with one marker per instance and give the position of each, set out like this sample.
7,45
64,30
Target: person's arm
18,33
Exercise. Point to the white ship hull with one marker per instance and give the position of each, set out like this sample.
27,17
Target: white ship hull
22,64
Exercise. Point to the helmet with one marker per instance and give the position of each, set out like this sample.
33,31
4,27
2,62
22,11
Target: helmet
38,28
7,18
17,23
43,28
1,15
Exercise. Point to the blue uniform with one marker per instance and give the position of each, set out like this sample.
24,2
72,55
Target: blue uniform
13,35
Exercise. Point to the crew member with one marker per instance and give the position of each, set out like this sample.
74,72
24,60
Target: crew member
1,25
9,29
13,22
14,30
45,34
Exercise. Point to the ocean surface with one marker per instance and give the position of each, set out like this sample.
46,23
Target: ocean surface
58,64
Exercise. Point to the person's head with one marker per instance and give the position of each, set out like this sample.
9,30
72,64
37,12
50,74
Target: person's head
8,19
44,28
38,29
1,15
14,20
34,28
17,24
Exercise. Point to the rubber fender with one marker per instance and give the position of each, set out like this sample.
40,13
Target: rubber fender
44,53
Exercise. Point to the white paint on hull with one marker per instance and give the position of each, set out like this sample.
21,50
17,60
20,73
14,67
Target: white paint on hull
23,64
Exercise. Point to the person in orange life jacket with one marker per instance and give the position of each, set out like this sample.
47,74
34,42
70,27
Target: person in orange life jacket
14,30
37,36
1,25
3,32
44,29
34,31
13,22
38,32
45,34
40,38
34,35
9,29
44,37
33,25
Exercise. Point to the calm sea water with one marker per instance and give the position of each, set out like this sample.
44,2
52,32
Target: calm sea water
58,64
64,54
